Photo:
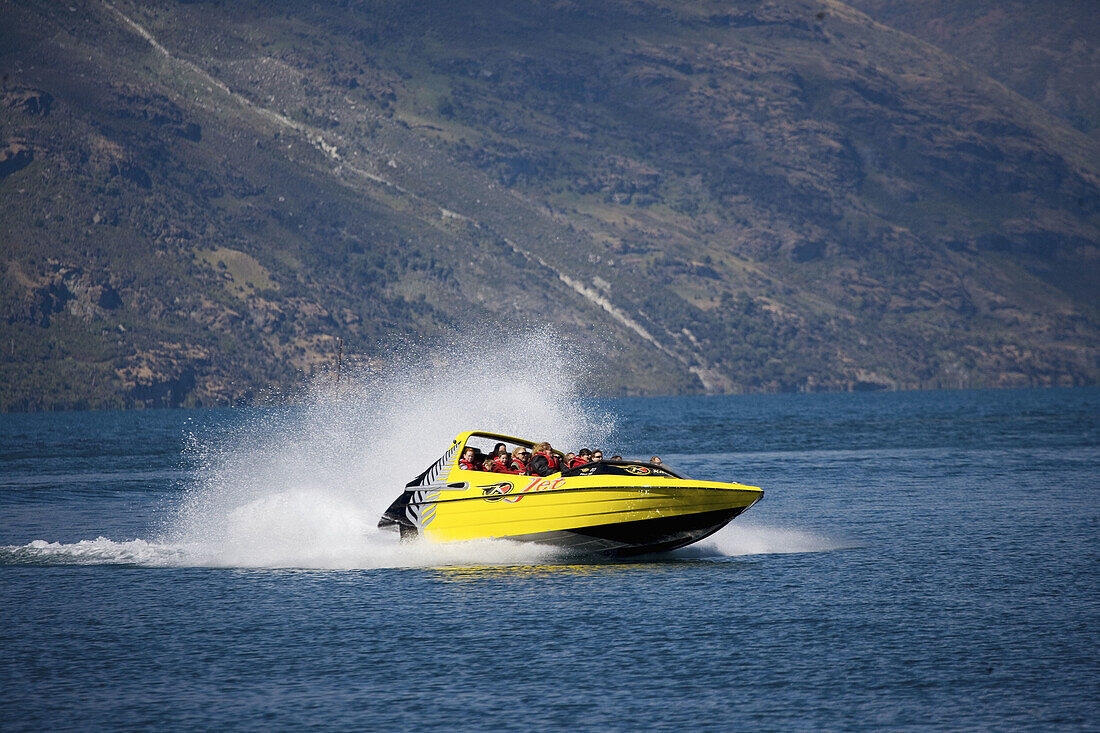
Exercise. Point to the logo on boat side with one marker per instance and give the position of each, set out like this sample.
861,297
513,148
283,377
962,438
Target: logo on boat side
504,489
638,470
496,492
537,484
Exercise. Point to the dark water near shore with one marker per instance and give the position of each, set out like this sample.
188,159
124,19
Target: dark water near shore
920,560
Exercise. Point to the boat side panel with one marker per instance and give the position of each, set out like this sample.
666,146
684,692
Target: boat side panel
570,509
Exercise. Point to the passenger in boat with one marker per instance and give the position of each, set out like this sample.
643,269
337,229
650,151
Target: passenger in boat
616,458
655,459
583,457
570,459
500,450
502,463
543,461
487,464
467,462
597,455
519,461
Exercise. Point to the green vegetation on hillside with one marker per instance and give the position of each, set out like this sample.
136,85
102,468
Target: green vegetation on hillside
712,196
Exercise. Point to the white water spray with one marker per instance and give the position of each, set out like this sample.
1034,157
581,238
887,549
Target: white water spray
305,486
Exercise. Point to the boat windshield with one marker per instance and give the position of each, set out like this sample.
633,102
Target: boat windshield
484,443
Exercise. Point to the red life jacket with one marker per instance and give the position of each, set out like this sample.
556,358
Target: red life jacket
500,465
467,465
577,461
518,466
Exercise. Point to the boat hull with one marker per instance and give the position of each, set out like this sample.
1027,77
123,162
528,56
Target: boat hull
624,539
618,520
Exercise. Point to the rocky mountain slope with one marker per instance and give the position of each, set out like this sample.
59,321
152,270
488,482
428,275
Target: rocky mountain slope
200,198
1045,51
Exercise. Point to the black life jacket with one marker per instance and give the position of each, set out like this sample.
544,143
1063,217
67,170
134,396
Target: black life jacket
543,464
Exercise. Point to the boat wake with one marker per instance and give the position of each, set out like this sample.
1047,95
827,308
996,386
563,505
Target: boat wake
743,538
345,542
366,554
100,551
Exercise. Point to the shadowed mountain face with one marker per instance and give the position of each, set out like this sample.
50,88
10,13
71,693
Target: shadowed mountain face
199,198
1045,51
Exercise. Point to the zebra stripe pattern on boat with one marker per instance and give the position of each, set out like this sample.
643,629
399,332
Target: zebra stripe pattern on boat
437,469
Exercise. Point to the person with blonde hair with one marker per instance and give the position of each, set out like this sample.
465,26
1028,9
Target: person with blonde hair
519,460
543,461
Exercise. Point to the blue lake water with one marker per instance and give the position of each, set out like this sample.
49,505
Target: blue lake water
920,560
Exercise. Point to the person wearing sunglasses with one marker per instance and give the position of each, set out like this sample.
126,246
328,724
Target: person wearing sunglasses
519,461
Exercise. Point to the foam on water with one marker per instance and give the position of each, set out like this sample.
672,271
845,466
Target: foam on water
100,551
332,540
741,538
364,553
303,486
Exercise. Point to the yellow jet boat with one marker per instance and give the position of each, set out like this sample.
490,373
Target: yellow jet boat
615,508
